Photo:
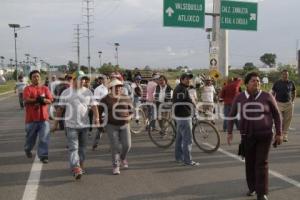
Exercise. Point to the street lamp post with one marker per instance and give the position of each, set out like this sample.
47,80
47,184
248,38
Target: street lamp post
2,60
117,56
100,57
10,63
16,27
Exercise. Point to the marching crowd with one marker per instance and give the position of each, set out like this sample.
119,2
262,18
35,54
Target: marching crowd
108,104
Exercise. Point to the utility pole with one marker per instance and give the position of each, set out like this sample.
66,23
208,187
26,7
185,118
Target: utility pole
220,40
16,27
100,58
77,38
297,48
299,64
117,54
88,22
2,60
10,63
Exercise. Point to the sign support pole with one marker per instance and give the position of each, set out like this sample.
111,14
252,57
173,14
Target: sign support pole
220,38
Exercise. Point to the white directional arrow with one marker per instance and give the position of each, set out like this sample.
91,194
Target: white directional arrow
252,16
170,11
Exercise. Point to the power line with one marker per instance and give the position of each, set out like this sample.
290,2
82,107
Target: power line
77,39
87,12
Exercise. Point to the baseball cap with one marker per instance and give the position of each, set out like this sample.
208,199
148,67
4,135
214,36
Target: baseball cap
77,74
115,82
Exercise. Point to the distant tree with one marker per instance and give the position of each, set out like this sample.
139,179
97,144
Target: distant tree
269,59
72,66
15,75
179,68
85,69
249,66
171,70
62,68
147,67
108,68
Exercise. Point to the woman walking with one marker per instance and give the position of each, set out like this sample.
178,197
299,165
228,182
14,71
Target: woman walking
118,109
258,111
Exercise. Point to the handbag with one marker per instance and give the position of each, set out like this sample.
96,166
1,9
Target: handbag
242,149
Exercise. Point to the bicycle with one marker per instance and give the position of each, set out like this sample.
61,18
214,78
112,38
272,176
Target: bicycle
205,134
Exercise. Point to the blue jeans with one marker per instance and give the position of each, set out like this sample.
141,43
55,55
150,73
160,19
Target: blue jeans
136,101
151,116
120,142
77,141
183,145
227,109
41,129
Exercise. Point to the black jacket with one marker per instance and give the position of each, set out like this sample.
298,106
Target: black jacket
181,95
168,97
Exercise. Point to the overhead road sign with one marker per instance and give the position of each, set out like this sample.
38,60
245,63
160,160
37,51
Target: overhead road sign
236,15
184,13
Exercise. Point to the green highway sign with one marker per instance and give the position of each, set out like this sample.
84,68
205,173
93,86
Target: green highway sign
238,15
184,13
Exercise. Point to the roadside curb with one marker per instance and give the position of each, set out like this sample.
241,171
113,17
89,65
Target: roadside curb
9,92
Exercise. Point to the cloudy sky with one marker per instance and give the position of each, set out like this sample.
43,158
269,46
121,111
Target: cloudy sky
137,26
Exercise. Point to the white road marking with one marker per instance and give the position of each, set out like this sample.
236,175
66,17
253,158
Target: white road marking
273,173
32,184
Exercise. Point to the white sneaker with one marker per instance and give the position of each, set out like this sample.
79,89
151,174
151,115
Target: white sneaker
124,164
116,171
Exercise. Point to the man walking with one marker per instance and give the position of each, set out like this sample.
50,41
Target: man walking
228,93
183,116
99,92
37,98
76,101
284,91
20,86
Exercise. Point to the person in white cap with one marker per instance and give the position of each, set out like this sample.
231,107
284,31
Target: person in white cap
118,110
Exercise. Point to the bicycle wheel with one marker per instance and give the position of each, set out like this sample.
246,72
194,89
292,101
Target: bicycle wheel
206,136
163,135
138,122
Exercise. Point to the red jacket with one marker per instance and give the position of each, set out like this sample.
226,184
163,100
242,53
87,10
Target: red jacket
35,112
230,91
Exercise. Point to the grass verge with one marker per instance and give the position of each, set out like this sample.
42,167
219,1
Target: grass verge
8,86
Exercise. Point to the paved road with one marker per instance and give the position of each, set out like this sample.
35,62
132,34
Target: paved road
153,174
